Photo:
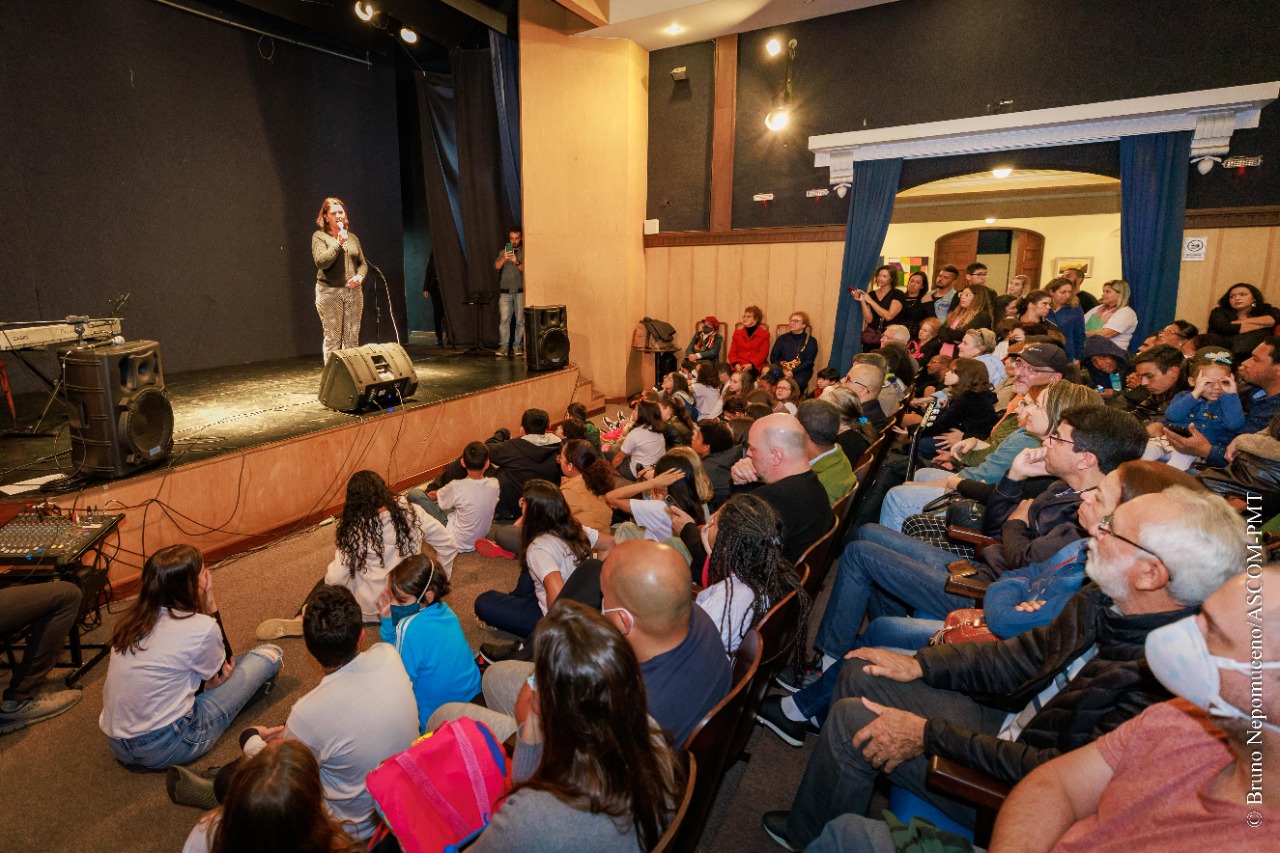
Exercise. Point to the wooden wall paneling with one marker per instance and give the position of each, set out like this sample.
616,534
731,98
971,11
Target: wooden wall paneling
811,271
782,283
729,282
681,302
655,285
754,282
705,291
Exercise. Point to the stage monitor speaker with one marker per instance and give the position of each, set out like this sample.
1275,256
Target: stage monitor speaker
546,336
371,376
119,416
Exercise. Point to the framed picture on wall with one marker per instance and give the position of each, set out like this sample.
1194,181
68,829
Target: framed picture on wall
1061,265
908,265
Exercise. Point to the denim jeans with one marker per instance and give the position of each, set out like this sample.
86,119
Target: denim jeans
909,499
898,633
516,612
419,496
190,737
893,568
509,303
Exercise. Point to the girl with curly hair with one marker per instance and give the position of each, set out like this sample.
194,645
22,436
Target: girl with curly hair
746,572
377,530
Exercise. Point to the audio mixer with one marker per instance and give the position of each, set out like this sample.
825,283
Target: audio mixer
51,542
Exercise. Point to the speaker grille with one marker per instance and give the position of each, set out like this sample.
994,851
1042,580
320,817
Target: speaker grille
146,425
555,345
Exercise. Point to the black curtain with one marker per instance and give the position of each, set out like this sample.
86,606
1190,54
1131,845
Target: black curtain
462,165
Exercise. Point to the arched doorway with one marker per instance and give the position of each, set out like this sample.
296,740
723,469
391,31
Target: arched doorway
1006,252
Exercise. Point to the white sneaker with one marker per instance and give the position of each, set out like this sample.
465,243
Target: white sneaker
500,353
519,351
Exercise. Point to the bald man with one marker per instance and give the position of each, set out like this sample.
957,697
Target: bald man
646,595
777,457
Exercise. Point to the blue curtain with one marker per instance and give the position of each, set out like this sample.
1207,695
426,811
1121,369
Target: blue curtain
1153,201
875,184
441,120
506,90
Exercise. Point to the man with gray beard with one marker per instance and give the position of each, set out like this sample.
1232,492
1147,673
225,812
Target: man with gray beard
1006,708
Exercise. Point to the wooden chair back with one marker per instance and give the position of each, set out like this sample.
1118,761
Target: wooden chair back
709,744
677,820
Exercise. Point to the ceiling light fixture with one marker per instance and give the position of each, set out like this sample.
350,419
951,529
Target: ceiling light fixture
1002,172
409,36
774,47
674,30
777,119
364,11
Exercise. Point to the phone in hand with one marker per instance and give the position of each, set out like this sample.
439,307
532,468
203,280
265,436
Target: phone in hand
509,248
1182,431
669,501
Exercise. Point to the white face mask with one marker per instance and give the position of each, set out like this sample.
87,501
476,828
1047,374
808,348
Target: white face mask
1179,656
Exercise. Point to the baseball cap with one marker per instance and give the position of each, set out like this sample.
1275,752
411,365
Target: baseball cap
1045,355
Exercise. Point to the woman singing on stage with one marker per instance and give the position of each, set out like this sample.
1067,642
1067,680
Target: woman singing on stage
340,270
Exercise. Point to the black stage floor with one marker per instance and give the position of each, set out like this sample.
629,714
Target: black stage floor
225,409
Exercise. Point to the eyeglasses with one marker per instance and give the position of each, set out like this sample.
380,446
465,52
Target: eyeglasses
1053,436
1106,529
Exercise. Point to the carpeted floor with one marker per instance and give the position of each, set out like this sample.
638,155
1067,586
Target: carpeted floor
61,790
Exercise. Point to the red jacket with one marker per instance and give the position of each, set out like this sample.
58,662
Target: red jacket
754,349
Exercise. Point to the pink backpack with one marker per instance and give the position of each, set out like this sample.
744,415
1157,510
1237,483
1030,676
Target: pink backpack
444,789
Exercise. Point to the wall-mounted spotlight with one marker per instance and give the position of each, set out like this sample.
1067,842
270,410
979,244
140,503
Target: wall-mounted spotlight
990,220
365,11
780,115
409,36
1002,172
842,190
681,73
774,47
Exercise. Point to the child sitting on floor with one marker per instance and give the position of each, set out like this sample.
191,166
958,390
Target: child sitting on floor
464,506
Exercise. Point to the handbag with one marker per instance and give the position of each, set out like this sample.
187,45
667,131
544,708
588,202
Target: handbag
444,789
967,625
870,338
960,511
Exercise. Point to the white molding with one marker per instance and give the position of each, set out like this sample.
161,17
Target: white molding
1214,114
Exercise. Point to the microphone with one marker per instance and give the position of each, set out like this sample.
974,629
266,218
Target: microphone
342,229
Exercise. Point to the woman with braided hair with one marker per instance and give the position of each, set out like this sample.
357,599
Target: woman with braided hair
746,572
377,530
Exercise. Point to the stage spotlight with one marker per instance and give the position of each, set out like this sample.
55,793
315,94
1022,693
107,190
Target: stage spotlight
409,36
774,47
777,119
364,11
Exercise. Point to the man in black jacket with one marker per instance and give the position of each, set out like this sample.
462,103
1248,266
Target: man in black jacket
1005,708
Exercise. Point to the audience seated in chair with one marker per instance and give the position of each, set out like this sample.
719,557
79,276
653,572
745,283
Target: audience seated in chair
821,422
46,613
1006,708
776,458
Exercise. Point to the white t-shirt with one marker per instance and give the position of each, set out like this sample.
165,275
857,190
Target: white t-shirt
352,721
148,689
738,621
1124,322
201,837
472,502
653,516
549,553
645,446
371,579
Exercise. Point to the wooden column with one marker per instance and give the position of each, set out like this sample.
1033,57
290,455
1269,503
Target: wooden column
722,132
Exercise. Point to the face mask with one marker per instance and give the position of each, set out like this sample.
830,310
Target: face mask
404,611
619,610
1179,656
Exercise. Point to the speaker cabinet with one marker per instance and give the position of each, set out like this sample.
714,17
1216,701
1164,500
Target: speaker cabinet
119,416
546,336
371,376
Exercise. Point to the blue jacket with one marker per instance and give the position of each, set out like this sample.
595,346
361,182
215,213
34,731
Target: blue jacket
436,657
1219,421
1052,581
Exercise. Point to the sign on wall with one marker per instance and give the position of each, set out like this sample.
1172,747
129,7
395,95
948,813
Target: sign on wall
1193,248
